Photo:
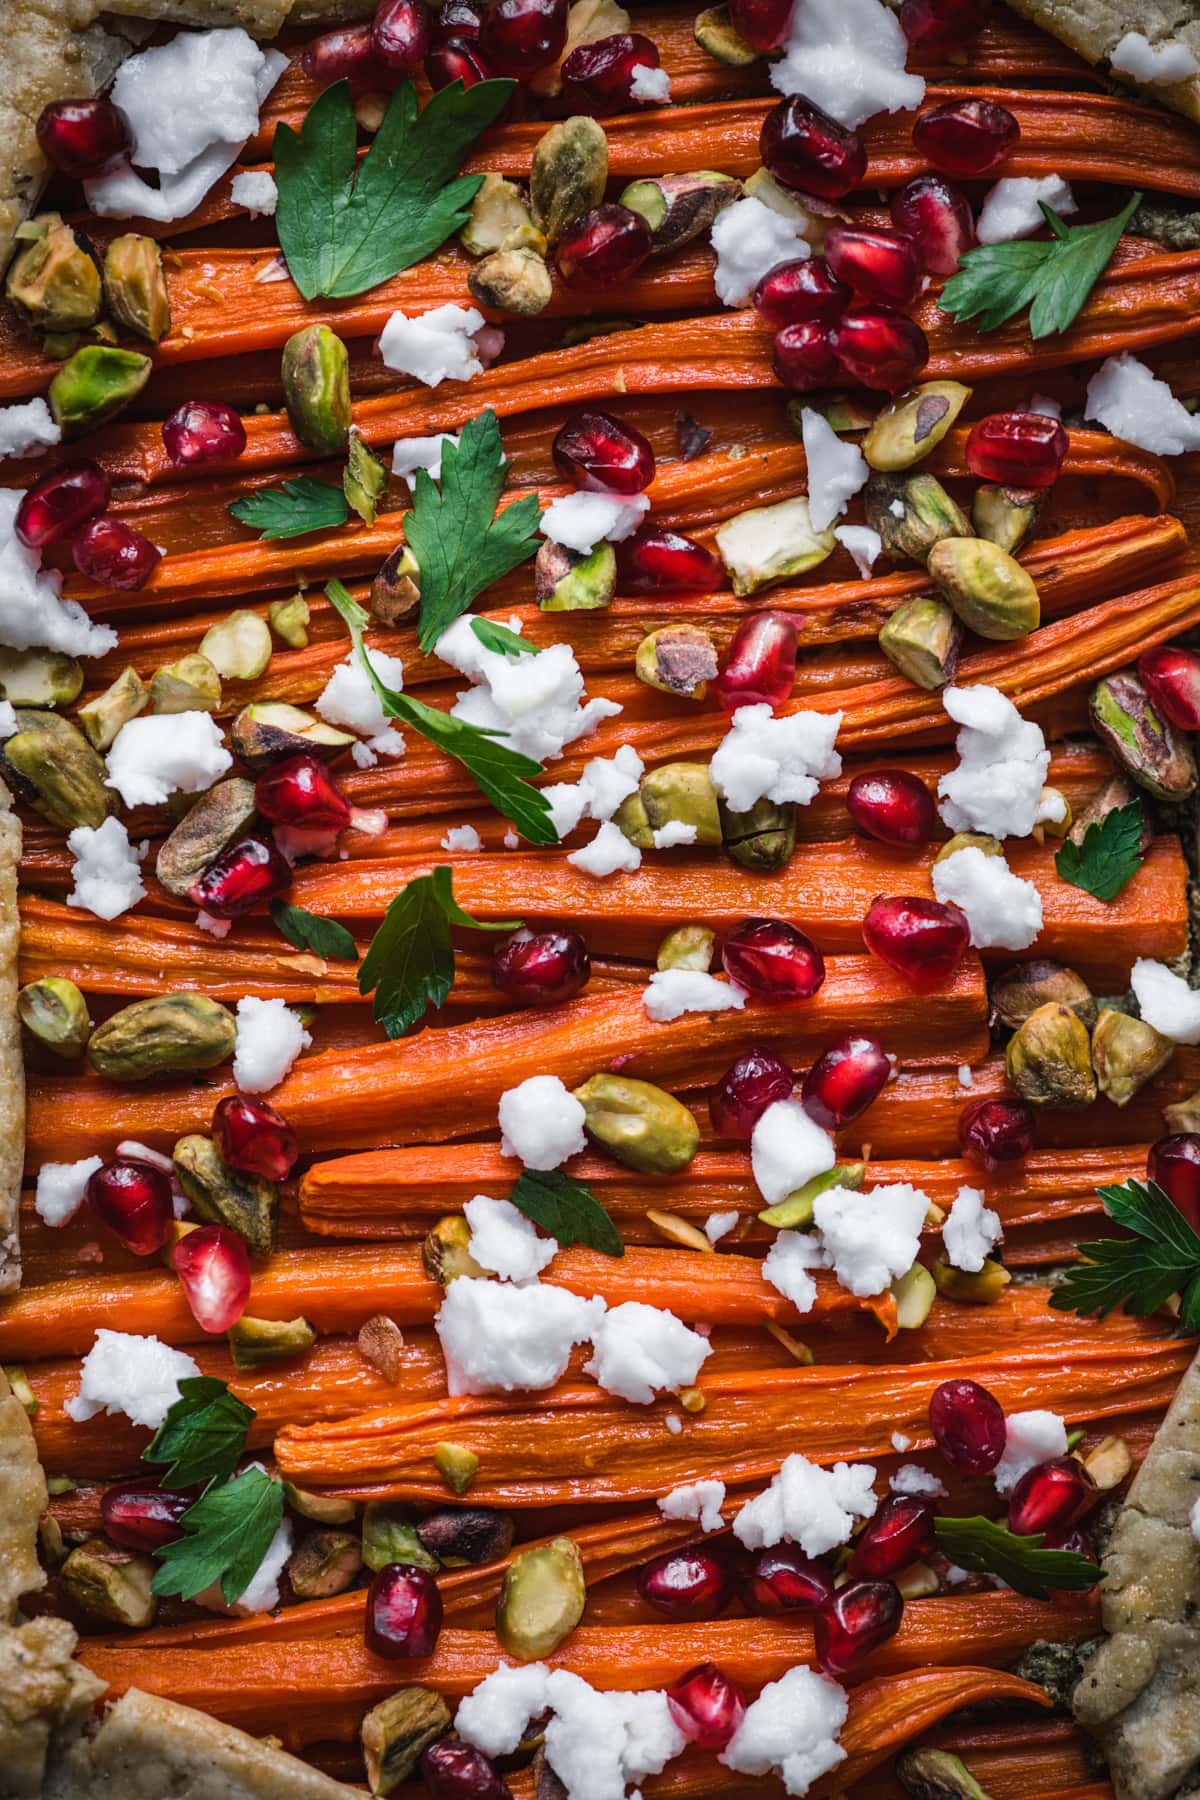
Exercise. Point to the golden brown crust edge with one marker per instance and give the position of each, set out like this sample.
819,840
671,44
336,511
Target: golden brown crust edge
12,1073
1094,28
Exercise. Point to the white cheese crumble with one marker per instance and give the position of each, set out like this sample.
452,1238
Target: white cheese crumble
1012,208
674,1424
1045,403
261,1593
8,721
720,1224
349,699
435,346
61,1187
837,469
27,428
970,1230
1003,910
778,759
673,992
1194,1520
125,1373
1165,1001
871,1238
847,56
965,1078
32,616
808,1505
1151,64
650,84
1033,1438
640,1350
1133,403
700,1500
270,1037
462,837
255,190
787,1267
900,1442
750,239
606,781
106,875
541,1122
505,1241
161,754
412,453
911,1478
609,852
674,833
787,1148
535,700
864,544
581,521
1002,764
793,1727
499,1339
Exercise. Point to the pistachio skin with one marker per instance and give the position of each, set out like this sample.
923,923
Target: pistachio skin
913,424
267,731
315,368
94,385
762,838
1048,1061
395,591
923,639
397,1732
51,765
135,288
677,659
52,281
389,1535
568,581
1126,1054
246,1204
640,1125
681,208
55,1012
461,1535
1019,991
568,175
542,1597
325,1564
1150,749
937,1775
991,593
255,1342
221,816
928,513
444,1253
110,1583
631,820
1007,515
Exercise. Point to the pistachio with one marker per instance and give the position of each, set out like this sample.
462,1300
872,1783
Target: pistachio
795,1347
94,385
110,1583
1147,746
669,1225
843,413
713,31
456,1465
326,1563
52,766
267,731
991,593
525,237
1117,791
1053,800
397,1732
542,1598
1048,1061
639,1124
256,1342
102,718
917,1582
570,581
587,22
238,646
937,1775
1126,1054
18,1381
914,1294
1019,991
52,1546
395,591
189,685
797,1209
496,210
288,619
923,639
1006,515
912,513
364,478
380,1342
682,793
1109,1463
55,1013
316,388
39,678
389,1535
322,1509
630,818
459,1536
1183,1115
762,838
444,1253
514,280
679,208
969,840
913,424
762,185
568,176
246,1204
771,543
677,659
211,824
53,282
687,947
983,1287
135,288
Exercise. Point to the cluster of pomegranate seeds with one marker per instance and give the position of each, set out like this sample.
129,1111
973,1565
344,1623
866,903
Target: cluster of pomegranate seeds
992,1132
601,453
139,1516
249,874
1051,1499
1017,449
759,664
541,968
854,1621
922,940
706,1706
879,265
113,554
755,1081
801,293
60,503
346,54
893,806
201,432
1172,676
82,138
803,357
133,1199
937,217
598,78
519,37
844,1080
881,349
966,137
783,1580
401,33
455,1770
773,960
968,1426
937,25
253,1138
404,1612
693,1583
1173,1164
900,1533
656,560
213,1266
761,23
605,247
807,151
301,792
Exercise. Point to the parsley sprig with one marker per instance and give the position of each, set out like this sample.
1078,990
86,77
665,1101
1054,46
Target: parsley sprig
298,507
226,1535
202,1435
1141,1272
1109,856
988,1548
566,1209
1053,278
309,931
410,964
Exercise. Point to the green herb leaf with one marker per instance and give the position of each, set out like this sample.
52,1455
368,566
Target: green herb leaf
987,1548
1053,279
345,227
1109,856
228,1533
500,638
309,931
566,1209
501,772
410,964
1141,1272
202,1435
299,506
364,478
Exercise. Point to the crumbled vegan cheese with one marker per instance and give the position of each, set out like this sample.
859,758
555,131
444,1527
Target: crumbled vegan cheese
1151,64
1002,765
1165,1001
60,1189
162,754
535,700
965,1077
494,1715
871,1238
672,834
1012,208
673,992
32,616
8,720
719,1225
864,544
462,837
349,699
650,84
27,428
270,1036
750,238
505,1241
255,190
605,782
609,851
583,520
837,469
793,1726
1033,1438
1004,911
412,453
435,346
138,1376
498,1338
701,1500
640,1350
808,1505
787,1266
847,56
970,1230
541,1122
900,1442
911,1478
261,1593
787,1149
107,875
778,759
1045,403
1134,404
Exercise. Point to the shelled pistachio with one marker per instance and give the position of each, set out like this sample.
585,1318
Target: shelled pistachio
687,947
682,793
49,763
94,385
461,1535
912,513
325,1564
40,678
364,478
55,1012
268,730
1048,1060
795,1210
1006,515
913,424
572,581
568,174
135,288
937,1775
923,639
914,1294
246,1204
496,210
456,1465
1021,990
102,718
397,1732
110,1583
289,620
680,208
768,544
253,1343
322,1509
764,837
542,1598
189,685
389,1535
444,1253
677,659
1145,744
315,369
1126,1054
238,646
979,1287
639,1124
988,589
713,31
52,281
513,279
211,824
169,1034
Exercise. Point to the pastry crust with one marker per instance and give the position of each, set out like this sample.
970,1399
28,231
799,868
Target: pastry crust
1094,28
12,1073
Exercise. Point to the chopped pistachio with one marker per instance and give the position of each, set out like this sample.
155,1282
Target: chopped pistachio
914,1294
677,1231
102,718
1146,745
322,1509
768,544
988,589
1006,515
55,1012
1116,792
397,1732
570,581
315,368
682,793
1048,1061
913,424
52,1546
18,1381
912,513
1019,991
639,1124
50,764
217,819
796,1349
255,1342
762,838
1183,1115
464,1535
969,840
630,819
937,1775
797,1209
364,479
189,685
289,619
246,1204
268,730
917,1582
456,1465
713,30
980,1288
568,174
680,208
542,1598
395,591
496,209
94,385
687,947
1126,1054
444,1253
512,280
238,646
135,288
39,678
1109,1463
923,639
53,282
1054,828
677,659
110,1583
389,1535
325,1564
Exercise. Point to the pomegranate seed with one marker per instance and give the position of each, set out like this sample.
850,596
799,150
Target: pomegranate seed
941,24
854,1621
1051,1498
755,1081
761,23
844,1080
968,1426
608,245
83,137
520,37
801,293
657,561
1173,1164
201,432
113,554
803,356
1079,1542
893,806
300,791
1017,449
899,1534
879,265
541,968
60,503
881,349
248,874
455,1770
759,664
142,1517
706,1706
1172,675
937,217
133,1199
347,54
783,1579
686,1584
805,149
404,1612
920,939
772,960
458,19
401,32
598,77
455,60
254,1138
596,451
213,1266
966,137
991,1132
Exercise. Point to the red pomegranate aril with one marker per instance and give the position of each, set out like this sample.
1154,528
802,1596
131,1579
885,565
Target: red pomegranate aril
300,791
140,1517
60,503
968,1426
254,1138
783,1580
606,246
598,77
401,33
937,217
900,1533
755,1081
460,19
1017,449
801,293
706,1706
892,806
113,554
686,1584
213,1266
992,1132
1173,1164
541,968
883,350
879,265
1172,675
806,150
248,874
82,138
347,54
520,37
803,358
201,432
853,1622
655,560
404,1612
455,60
601,453
934,25
922,940
772,960
1051,1498
455,1770
761,23
966,137
134,1200
844,1081
759,664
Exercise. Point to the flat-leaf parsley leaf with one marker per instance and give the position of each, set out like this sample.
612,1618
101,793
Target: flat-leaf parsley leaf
1109,856
1141,1272
1054,279
299,506
226,1535
988,1548
410,964
309,931
203,1433
566,1209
